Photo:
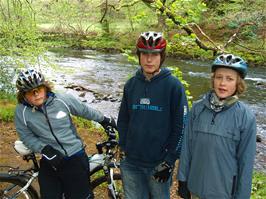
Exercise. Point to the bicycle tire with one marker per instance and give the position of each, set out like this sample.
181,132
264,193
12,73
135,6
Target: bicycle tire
10,185
100,187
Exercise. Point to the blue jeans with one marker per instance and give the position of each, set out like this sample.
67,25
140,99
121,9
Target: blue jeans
139,184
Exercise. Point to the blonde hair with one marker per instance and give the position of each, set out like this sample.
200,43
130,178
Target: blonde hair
240,84
21,94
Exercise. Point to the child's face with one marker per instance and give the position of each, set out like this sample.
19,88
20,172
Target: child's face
36,96
150,62
225,81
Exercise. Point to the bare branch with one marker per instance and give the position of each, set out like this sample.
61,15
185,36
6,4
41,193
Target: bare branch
206,36
249,49
233,37
132,3
105,11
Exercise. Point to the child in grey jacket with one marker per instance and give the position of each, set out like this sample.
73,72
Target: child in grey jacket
43,122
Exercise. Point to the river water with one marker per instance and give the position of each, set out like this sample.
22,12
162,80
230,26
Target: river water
98,79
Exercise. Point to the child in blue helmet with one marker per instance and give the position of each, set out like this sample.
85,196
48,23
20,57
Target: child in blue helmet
43,122
220,138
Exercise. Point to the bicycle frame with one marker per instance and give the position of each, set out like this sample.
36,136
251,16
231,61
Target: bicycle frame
103,160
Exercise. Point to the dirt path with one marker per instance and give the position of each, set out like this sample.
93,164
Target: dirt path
8,156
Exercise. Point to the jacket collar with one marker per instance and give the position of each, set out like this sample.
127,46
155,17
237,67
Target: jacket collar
212,102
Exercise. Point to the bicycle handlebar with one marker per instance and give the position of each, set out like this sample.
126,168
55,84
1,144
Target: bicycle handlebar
110,131
110,143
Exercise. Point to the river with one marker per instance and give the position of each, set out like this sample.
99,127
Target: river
98,79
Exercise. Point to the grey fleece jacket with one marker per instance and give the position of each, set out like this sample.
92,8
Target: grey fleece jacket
51,124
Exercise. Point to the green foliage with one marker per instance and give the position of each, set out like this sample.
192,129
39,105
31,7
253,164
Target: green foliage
131,58
184,11
19,43
258,186
185,46
7,106
178,73
83,123
7,112
7,96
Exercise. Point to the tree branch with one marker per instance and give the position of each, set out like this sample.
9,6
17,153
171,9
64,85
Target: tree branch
187,29
132,3
233,37
105,11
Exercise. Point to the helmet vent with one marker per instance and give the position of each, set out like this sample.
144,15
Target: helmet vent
236,60
157,41
144,41
150,42
228,58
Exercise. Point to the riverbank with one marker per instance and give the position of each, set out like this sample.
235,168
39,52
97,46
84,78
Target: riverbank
125,43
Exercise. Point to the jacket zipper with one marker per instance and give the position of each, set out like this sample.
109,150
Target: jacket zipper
50,126
213,118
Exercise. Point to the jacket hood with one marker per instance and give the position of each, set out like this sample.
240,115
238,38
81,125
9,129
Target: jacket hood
163,73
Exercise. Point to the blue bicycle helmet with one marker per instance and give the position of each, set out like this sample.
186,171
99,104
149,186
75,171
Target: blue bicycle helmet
231,61
29,79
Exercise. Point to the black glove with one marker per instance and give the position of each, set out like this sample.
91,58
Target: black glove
183,191
108,122
53,156
162,172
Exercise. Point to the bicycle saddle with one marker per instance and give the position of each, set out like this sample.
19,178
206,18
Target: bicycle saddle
21,148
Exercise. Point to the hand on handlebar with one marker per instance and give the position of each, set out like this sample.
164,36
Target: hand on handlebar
108,122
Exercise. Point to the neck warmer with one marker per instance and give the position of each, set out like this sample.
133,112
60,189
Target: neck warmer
217,105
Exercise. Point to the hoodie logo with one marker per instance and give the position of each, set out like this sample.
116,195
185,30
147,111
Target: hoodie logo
145,101
60,115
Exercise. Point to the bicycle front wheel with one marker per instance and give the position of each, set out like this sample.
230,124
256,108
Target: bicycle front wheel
11,187
101,189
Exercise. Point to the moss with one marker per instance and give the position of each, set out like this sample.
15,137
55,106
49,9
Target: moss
258,186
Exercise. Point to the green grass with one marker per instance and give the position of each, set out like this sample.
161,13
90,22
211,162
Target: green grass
258,186
7,106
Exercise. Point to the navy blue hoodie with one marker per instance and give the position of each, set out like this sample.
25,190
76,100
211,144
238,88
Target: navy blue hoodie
151,119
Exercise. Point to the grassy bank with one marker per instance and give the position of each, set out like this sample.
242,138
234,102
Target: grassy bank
126,42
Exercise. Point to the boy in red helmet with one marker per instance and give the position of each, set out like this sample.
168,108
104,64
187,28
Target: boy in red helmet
150,123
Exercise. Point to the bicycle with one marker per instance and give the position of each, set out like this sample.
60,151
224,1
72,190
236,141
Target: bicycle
104,173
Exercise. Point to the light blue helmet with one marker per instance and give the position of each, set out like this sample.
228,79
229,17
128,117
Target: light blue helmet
231,61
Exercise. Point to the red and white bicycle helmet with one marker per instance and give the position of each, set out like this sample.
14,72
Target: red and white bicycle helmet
151,42
29,79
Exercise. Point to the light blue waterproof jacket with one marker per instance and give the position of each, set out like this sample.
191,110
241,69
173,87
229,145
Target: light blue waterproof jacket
218,151
52,123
